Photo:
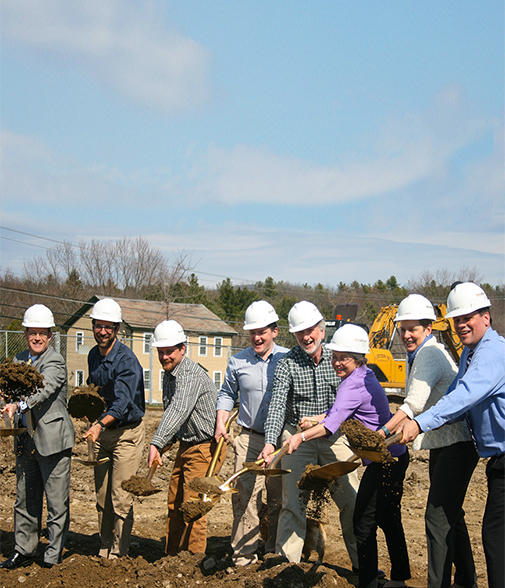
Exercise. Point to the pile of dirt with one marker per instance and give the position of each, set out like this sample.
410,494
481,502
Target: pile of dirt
18,380
85,402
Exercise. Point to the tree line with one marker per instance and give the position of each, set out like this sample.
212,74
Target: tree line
69,275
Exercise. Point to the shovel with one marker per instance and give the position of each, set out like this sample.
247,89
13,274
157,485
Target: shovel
9,430
334,470
139,486
91,461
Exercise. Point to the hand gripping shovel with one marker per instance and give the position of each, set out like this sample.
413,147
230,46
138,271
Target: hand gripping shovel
334,470
91,461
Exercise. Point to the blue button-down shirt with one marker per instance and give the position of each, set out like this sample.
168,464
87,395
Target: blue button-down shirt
120,380
250,377
480,392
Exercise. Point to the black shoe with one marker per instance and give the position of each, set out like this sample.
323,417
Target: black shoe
47,565
16,560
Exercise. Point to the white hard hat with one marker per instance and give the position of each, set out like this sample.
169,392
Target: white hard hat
259,314
38,315
466,298
350,338
415,308
303,315
106,310
168,334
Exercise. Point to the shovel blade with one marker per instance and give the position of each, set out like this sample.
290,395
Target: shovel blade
334,470
12,432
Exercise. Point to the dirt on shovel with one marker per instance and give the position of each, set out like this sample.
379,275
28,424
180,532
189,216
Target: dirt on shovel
87,403
364,440
18,380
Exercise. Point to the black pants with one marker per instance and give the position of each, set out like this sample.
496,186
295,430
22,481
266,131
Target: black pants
493,524
447,536
378,504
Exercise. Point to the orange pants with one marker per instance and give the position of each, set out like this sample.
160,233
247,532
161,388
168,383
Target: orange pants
191,461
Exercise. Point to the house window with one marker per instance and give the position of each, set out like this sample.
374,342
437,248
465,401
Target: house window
79,378
79,340
147,379
162,374
218,346
218,376
147,343
202,346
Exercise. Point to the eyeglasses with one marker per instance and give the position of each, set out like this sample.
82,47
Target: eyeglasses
106,328
38,334
342,360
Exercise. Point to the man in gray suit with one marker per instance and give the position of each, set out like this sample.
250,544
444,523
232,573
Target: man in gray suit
43,454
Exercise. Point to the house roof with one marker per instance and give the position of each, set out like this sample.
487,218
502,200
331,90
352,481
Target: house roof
144,315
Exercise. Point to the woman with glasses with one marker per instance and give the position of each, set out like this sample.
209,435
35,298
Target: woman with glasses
429,373
360,396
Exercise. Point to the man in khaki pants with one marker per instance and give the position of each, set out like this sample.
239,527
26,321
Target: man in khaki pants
119,434
250,375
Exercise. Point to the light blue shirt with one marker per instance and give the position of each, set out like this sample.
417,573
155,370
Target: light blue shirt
480,392
250,378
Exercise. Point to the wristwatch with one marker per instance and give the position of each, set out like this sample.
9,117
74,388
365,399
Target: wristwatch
102,426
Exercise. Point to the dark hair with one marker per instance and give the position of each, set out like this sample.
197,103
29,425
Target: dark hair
425,323
359,358
180,345
272,326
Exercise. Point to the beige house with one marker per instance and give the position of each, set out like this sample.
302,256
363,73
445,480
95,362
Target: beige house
209,339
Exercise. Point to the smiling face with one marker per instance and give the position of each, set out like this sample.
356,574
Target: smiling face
310,341
38,340
262,340
343,364
105,334
171,357
471,327
413,334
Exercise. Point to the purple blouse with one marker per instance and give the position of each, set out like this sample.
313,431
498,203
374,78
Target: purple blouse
360,396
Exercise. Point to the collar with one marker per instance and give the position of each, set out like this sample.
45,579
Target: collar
411,355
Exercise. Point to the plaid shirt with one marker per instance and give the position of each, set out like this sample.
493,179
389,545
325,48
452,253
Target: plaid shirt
189,398
300,389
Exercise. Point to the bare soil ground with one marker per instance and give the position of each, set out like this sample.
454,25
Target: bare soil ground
148,567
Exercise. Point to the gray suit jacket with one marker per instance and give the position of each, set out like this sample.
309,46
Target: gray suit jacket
53,428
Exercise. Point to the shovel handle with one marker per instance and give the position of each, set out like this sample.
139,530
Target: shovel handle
7,420
219,448
91,448
396,438
280,454
152,469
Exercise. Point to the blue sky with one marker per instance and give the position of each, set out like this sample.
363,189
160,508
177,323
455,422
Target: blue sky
312,142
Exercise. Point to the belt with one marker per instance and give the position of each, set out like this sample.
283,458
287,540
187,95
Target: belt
191,443
252,431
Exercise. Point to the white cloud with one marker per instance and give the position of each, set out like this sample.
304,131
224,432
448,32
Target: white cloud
124,45
416,147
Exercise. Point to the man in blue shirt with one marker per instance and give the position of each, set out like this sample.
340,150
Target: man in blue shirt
478,392
250,374
119,434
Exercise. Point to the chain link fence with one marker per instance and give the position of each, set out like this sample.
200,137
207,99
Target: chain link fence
75,349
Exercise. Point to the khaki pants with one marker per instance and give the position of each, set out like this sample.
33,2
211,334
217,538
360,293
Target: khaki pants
124,447
191,461
247,502
292,519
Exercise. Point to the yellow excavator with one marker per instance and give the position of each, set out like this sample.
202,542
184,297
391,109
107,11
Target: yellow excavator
387,354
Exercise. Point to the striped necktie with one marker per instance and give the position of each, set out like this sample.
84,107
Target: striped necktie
28,413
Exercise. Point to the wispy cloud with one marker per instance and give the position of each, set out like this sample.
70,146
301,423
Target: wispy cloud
412,148
124,45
